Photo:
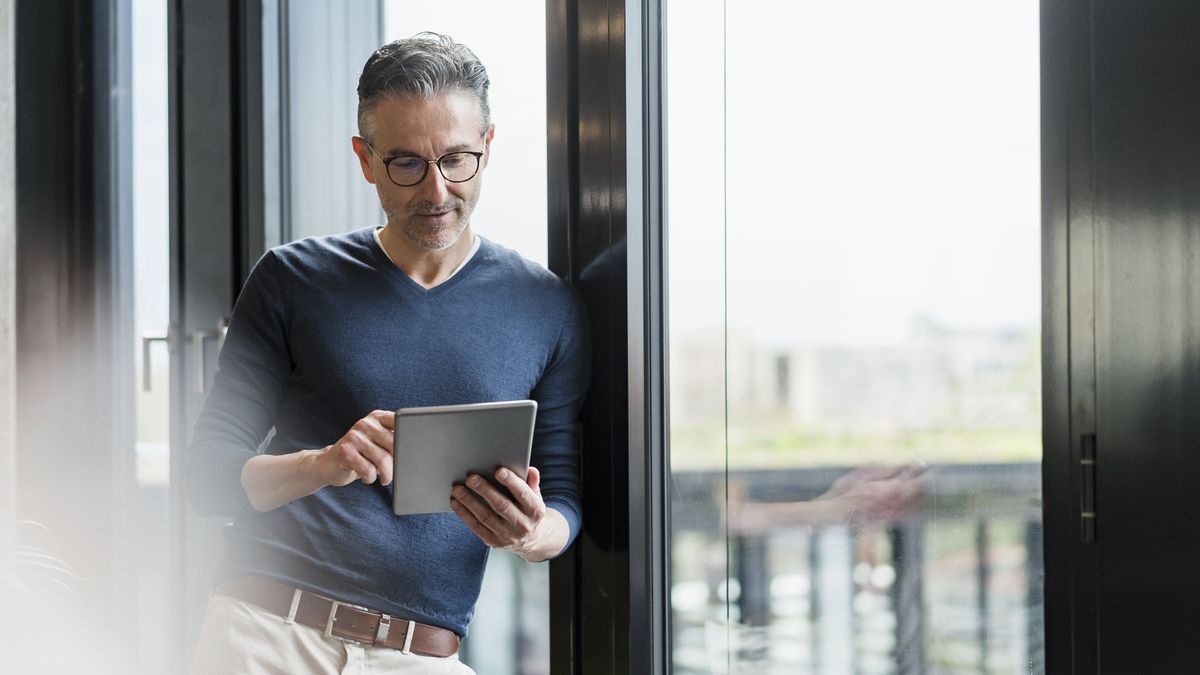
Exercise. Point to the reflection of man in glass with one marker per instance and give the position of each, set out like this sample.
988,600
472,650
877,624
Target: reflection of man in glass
328,337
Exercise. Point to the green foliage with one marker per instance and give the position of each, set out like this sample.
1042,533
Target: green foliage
781,443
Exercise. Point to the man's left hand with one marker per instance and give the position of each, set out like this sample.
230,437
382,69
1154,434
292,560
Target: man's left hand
517,522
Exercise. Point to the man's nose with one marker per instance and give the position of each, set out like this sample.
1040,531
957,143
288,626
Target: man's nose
434,188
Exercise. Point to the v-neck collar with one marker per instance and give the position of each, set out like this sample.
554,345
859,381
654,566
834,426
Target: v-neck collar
381,261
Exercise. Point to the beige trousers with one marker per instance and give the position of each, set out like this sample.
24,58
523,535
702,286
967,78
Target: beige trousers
238,638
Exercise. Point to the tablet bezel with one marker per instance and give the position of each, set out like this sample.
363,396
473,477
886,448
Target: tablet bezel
486,436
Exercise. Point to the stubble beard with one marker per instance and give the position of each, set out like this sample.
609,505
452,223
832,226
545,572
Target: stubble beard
427,237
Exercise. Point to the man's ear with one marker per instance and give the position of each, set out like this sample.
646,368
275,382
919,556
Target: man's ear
487,144
364,157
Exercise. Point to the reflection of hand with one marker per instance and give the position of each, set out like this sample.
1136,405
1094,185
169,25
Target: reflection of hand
873,493
517,521
865,495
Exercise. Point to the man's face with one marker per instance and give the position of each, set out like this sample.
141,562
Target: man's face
432,214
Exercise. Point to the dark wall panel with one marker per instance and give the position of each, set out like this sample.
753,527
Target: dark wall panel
605,604
1146,107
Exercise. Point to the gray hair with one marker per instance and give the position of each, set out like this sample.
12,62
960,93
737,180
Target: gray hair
423,66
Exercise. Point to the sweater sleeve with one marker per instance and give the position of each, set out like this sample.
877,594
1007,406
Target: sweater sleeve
560,395
252,371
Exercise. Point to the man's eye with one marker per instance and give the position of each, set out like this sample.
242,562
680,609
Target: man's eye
408,164
453,161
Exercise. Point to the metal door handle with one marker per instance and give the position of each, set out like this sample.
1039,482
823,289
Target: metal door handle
198,338
1087,492
146,342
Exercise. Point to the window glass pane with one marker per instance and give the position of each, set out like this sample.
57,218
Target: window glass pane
699,554
151,246
510,632
151,286
854,224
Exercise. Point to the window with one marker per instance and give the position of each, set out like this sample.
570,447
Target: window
855,436
149,353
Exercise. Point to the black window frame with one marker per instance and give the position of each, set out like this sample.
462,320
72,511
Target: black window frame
607,235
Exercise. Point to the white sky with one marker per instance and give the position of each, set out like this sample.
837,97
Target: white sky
882,163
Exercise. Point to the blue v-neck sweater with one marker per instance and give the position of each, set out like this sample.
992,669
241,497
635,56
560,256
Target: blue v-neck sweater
327,330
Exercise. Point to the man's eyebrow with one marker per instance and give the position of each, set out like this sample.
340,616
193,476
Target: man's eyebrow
401,152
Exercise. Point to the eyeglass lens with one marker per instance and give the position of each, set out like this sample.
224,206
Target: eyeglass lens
456,167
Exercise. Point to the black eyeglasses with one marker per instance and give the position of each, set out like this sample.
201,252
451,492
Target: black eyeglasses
410,170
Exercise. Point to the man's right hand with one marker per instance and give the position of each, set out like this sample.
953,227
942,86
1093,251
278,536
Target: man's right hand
363,453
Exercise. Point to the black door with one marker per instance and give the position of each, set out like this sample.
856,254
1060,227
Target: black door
1121,169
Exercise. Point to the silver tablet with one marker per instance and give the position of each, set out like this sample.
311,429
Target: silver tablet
436,447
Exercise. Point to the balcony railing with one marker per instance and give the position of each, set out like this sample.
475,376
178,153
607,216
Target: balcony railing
953,587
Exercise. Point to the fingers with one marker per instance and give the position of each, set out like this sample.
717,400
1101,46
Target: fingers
386,418
483,521
526,493
373,429
503,520
876,471
366,449
366,460
371,446
486,535
495,511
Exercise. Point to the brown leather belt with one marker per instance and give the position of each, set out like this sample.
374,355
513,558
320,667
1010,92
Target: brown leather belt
340,620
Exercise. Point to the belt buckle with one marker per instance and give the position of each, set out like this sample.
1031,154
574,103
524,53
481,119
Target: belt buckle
332,619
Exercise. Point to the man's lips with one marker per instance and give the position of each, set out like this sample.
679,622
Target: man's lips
435,216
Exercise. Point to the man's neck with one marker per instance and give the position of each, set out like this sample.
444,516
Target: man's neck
427,268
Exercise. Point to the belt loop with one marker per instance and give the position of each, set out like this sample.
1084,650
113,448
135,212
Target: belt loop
385,626
412,626
291,615
332,617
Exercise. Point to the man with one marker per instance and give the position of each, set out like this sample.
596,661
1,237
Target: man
330,335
